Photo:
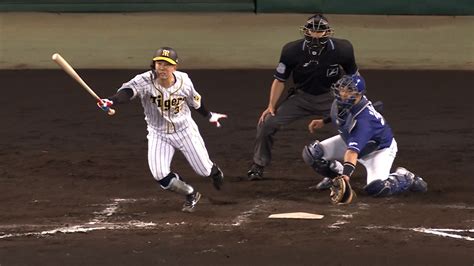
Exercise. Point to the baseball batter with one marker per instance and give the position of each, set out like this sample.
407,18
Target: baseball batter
365,137
166,96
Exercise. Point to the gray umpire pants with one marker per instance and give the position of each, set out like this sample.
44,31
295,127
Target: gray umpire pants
296,106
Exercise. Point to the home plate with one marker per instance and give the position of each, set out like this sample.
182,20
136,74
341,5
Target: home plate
296,215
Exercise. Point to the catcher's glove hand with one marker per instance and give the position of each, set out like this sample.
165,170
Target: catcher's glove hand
341,191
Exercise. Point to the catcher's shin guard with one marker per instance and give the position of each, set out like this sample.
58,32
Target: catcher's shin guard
378,188
313,156
398,182
418,184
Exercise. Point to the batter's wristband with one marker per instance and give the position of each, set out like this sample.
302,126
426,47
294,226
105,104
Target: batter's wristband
348,169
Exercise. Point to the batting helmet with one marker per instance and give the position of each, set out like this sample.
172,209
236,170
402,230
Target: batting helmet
167,54
316,24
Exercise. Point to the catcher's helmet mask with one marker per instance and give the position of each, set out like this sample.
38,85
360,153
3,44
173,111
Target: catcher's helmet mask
354,85
316,23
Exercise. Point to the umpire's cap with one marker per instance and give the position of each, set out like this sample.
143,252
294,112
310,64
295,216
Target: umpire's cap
167,54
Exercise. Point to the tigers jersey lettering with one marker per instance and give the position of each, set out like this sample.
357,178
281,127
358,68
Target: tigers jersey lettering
166,109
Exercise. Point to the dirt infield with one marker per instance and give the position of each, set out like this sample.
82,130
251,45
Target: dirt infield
75,188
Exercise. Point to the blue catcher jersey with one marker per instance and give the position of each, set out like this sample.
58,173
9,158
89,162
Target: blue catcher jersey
362,128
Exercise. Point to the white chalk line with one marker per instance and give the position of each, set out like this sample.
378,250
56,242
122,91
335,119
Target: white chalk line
444,232
452,206
97,223
243,217
343,219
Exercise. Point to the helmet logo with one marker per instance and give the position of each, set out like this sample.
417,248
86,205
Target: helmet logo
165,53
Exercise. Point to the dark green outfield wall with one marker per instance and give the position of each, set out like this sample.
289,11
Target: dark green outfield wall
128,5
370,7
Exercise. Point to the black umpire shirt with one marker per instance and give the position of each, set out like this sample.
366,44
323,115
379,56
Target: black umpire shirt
314,72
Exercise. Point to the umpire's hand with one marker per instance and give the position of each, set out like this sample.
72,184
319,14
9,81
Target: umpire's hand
269,110
315,124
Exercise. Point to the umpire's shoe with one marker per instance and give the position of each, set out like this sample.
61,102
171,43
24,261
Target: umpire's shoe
324,184
255,172
191,201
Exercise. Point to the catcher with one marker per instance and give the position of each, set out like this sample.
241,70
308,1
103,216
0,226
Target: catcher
365,137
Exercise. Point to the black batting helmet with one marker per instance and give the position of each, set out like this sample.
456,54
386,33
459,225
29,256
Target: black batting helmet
167,54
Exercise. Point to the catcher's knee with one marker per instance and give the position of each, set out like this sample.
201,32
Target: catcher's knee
313,153
313,156
378,188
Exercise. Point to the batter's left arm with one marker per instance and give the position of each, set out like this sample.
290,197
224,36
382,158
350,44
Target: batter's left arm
213,117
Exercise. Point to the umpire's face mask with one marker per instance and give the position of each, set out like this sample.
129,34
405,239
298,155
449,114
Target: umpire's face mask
315,40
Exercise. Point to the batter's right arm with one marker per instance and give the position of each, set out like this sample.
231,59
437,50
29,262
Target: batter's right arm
275,94
122,96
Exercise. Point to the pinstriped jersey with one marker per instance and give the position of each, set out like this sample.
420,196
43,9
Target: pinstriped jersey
166,109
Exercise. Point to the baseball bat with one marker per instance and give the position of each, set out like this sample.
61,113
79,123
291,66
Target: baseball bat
68,68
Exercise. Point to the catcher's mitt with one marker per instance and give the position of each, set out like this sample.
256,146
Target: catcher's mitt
341,191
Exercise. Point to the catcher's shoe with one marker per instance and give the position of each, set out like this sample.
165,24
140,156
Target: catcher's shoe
405,172
191,201
324,184
255,172
418,185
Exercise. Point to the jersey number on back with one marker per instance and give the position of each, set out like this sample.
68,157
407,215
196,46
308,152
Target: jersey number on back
376,114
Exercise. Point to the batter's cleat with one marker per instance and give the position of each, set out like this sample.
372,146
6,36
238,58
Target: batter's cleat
324,184
191,201
255,172
217,177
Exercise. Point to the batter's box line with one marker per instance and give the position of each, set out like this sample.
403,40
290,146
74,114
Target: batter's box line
244,217
98,222
443,232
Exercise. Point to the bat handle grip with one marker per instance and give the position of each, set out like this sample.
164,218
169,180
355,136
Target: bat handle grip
109,110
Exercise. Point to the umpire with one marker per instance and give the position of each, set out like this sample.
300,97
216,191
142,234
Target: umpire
316,62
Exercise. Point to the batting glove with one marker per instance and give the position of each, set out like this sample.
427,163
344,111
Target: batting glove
215,118
105,104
